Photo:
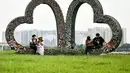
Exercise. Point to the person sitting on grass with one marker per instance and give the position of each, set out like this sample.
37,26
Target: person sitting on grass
98,41
33,43
89,45
40,46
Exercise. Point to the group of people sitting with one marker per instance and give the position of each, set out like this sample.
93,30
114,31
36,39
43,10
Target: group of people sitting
37,45
96,43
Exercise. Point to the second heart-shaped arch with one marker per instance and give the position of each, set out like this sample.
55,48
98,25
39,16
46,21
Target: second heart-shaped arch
99,17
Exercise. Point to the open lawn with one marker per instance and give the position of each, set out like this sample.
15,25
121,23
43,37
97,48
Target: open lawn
18,63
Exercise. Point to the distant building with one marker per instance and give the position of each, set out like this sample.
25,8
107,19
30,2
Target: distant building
123,36
106,33
23,37
18,36
50,37
4,46
3,37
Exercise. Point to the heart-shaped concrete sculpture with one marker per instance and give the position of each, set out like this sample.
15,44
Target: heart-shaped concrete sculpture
28,18
65,31
99,17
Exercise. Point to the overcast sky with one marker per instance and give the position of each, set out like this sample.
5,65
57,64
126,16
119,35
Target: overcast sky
44,18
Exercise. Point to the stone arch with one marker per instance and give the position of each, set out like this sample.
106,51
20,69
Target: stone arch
99,17
28,18
66,31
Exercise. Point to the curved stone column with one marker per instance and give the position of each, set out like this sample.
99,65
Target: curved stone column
28,18
99,17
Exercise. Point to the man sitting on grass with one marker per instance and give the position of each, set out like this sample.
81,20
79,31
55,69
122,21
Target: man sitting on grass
98,41
33,43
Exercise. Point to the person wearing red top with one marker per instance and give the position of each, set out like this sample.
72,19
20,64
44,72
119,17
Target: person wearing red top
89,45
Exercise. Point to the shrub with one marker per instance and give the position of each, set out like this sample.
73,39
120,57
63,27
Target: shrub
53,51
64,51
56,51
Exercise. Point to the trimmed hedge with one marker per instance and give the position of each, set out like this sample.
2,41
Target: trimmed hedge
64,51
53,51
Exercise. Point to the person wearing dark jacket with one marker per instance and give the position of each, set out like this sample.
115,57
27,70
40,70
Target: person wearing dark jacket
98,41
33,43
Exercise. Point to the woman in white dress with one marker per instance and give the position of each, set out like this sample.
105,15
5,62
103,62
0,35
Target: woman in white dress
40,46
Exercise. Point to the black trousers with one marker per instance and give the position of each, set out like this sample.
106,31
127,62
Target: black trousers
87,49
34,48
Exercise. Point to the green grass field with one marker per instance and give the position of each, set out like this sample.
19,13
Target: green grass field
17,63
